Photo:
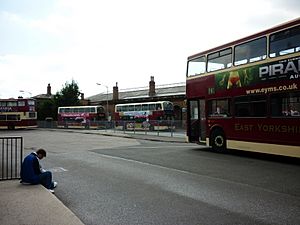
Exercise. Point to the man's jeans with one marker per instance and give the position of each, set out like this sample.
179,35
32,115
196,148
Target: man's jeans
46,180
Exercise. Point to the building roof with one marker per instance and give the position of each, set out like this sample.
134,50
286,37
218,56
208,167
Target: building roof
43,96
137,93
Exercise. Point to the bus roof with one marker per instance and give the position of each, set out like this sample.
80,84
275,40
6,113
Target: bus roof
80,106
16,99
248,38
138,103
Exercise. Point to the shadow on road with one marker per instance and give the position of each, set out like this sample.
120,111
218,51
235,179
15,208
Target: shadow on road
253,155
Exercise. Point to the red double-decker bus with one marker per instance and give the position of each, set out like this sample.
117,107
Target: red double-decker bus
145,116
80,116
245,95
18,113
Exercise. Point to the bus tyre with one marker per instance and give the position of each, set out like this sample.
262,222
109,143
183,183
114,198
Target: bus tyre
218,141
11,127
151,128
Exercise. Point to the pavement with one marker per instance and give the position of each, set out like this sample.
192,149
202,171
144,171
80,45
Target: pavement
32,205
35,205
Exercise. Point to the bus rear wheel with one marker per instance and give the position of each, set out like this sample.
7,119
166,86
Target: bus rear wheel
218,140
11,127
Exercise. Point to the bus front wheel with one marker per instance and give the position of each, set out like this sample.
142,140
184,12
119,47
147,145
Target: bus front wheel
218,141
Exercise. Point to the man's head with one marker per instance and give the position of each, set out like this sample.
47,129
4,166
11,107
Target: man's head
41,153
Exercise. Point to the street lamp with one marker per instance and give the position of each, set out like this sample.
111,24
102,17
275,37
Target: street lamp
107,113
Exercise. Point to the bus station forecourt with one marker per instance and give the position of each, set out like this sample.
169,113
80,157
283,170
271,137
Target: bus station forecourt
34,204
260,110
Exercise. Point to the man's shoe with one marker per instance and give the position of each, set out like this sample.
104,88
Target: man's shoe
51,191
54,184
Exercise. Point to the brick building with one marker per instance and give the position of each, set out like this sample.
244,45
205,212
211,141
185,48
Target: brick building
174,93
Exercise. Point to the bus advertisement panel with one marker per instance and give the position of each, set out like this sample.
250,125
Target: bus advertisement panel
145,116
80,116
246,95
18,113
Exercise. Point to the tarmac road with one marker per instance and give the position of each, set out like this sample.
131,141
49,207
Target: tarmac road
115,180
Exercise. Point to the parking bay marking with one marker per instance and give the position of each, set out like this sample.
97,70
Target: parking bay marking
58,169
183,146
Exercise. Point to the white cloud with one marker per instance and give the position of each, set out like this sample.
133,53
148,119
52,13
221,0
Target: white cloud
11,17
128,41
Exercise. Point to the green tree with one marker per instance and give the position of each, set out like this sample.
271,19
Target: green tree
68,96
46,108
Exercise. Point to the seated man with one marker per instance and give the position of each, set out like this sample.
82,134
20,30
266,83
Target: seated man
32,172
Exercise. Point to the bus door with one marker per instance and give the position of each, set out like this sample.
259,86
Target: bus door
197,120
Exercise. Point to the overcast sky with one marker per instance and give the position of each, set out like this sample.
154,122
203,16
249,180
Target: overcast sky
124,41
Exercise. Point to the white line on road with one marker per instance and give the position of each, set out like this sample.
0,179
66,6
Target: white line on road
193,174
267,205
164,146
58,169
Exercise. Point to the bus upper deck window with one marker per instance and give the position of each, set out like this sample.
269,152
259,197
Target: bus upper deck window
219,60
12,103
251,51
21,103
196,66
285,42
31,102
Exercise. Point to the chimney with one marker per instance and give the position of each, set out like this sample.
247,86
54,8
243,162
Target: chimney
49,90
151,87
116,92
82,96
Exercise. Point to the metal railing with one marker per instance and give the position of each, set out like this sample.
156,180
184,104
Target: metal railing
127,124
11,155
153,127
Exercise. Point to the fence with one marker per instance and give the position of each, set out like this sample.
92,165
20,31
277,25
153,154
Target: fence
11,155
164,125
153,127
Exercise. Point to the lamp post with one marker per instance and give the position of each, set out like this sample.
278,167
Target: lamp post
107,113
